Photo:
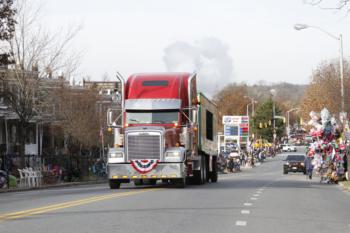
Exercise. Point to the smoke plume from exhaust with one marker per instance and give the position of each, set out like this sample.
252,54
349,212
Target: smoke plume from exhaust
209,57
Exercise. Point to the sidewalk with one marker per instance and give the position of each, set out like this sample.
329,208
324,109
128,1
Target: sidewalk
345,185
58,185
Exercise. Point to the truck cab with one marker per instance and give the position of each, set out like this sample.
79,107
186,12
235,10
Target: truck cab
163,133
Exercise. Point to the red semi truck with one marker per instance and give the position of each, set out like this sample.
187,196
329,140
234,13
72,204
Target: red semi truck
164,130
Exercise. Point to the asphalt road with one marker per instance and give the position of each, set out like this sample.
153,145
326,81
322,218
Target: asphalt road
255,200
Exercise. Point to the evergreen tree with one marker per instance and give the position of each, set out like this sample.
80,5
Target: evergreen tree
263,121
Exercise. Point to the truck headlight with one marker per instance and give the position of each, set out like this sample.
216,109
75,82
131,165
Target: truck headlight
172,154
115,155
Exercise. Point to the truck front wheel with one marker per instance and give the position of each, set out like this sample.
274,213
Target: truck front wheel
114,184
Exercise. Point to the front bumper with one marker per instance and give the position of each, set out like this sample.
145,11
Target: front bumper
162,171
294,168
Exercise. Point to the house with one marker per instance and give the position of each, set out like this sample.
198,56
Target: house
44,134
39,116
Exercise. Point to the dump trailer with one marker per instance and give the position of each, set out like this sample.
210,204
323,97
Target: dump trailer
164,130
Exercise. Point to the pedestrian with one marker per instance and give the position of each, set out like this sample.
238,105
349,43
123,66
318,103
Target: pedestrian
309,167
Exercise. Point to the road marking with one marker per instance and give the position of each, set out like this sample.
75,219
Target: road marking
248,204
258,192
64,205
256,195
241,223
253,198
245,211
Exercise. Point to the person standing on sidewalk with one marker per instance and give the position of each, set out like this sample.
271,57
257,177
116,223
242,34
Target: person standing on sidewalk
309,166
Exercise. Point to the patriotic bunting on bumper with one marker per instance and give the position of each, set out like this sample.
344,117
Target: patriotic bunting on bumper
144,166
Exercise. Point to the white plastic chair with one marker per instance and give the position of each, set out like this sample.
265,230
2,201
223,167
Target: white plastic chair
26,177
22,179
33,177
29,177
39,178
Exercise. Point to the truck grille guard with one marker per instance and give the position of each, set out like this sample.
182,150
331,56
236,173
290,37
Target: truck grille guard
144,143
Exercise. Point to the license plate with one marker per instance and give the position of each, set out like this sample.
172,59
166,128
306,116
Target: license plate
294,168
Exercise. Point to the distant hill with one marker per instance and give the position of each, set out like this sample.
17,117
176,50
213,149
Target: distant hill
288,93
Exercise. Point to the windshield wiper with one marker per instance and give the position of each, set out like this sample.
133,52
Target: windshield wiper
134,120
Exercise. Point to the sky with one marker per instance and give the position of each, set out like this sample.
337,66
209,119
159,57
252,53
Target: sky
224,40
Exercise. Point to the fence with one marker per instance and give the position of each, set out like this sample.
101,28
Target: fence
57,168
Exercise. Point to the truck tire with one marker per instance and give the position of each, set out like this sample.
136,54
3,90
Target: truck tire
207,171
214,172
114,184
204,170
214,177
199,176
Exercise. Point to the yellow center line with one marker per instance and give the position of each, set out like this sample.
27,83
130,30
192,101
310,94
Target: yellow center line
51,206
45,209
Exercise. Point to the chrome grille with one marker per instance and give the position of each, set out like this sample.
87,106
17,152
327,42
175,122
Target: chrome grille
143,146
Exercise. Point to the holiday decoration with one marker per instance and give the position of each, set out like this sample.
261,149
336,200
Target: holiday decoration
144,166
327,149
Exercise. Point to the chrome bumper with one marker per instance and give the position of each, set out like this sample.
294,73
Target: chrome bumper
162,171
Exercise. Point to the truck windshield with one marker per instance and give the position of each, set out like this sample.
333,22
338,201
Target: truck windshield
152,117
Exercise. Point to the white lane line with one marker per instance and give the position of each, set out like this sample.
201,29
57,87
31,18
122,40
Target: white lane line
256,195
253,198
258,192
245,211
241,223
248,204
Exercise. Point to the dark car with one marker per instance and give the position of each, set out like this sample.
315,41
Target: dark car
294,163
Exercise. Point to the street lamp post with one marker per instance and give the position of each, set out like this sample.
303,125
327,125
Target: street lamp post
288,127
273,94
253,101
248,108
341,57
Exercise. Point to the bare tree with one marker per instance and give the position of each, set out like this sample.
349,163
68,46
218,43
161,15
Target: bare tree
39,56
80,121
324,89
7,19
230,101
78,114
330,5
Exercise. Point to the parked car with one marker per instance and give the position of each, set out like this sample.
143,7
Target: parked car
294,163
289,148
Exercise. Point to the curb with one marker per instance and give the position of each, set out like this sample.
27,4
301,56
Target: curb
62,185
342,186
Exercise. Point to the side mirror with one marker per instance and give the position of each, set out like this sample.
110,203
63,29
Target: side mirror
114,117
109,117
194,116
